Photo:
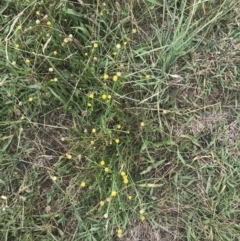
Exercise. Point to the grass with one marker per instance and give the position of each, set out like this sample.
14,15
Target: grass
119,121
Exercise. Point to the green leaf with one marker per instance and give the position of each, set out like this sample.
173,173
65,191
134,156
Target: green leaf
155,165
181,158
155,2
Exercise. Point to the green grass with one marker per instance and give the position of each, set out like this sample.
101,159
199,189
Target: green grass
119,119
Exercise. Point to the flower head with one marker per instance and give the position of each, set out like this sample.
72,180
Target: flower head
30,99
114,194
142,217
118,46
106,169
125,180
68,156
37,21
123,174
93,130
27,61
102,163
91,95
95,45
49,23
106,76
117,141
55,52
17,46
119,233
115,78
19,27
83,184
134,30
129,197
101,203
54,178
104,97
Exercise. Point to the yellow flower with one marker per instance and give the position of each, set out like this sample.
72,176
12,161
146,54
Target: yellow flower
114,53
91,95
104,97
106,76
37,21
49,23
83,184
30,99
129,197
89,104
115,78
109,97
50,69
142,217
54,178
119,233
85,54
114,194
55,52
27,61
105,215
125,181
125,43
121,66
55,79
95,45
106,169
101,13
119,74
117,140
93,130
118,46
65,40
148,76
123,174
134,30
38,13
69,156
101,203
119,127
19,27
102,163
17,46
92,142
142,124
22,117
